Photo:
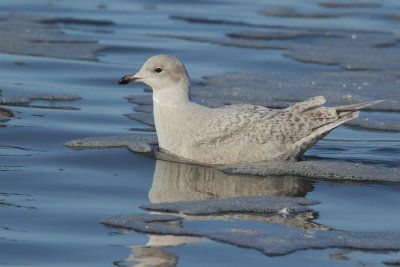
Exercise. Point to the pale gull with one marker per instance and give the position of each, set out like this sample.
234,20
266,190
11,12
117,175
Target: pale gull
235,133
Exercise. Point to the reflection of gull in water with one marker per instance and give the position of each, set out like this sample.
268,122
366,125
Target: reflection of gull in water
236,133
174,182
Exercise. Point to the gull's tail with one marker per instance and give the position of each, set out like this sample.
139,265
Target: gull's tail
343,113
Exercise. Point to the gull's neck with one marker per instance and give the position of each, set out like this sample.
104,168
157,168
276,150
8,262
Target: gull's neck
172,96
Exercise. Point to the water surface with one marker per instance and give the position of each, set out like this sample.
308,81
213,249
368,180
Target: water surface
53,198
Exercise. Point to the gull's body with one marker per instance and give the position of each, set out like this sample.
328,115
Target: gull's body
234,133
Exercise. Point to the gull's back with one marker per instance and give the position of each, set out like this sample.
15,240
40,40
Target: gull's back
249,133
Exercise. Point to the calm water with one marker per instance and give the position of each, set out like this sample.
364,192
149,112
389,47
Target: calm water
52,198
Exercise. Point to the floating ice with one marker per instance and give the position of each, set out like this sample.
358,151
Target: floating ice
269,26
279,35
30,35
392,262
351,49
76,21
269,243
349,4
25,100
139,147
146,218
319,170
254,204
392,16
149,223
354,53
337,87
276,244
15,197
292,13
133,141
392,126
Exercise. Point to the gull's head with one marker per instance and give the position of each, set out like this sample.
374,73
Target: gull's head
160,72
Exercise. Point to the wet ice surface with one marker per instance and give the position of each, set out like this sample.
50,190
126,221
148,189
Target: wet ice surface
339,88
392,262
319,170
113,141
269,243
352,49
25,100
66,192
244,204
35,35
349,4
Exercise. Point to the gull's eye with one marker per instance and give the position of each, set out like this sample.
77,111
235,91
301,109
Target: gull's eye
158,70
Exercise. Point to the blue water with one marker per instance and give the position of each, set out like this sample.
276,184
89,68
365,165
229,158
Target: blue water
52,198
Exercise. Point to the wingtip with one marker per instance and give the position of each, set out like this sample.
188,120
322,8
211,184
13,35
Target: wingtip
358,105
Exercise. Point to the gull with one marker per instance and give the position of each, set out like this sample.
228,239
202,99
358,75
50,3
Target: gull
232,134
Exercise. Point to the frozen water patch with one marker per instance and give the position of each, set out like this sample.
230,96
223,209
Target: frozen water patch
271,26
268,243
292,13
280,35
393,16
253,204
330,10
350,49
149,223
139,141
76,21
318,170
38,36
25,100
365,123
350,4
276,244
16,199
344,52
339,88
139,147
349,54
392,262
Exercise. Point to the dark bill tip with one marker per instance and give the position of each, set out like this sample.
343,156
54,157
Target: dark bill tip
127,79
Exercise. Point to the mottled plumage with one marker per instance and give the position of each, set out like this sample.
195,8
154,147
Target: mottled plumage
235,133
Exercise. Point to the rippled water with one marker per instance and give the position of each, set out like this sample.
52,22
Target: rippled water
53,198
